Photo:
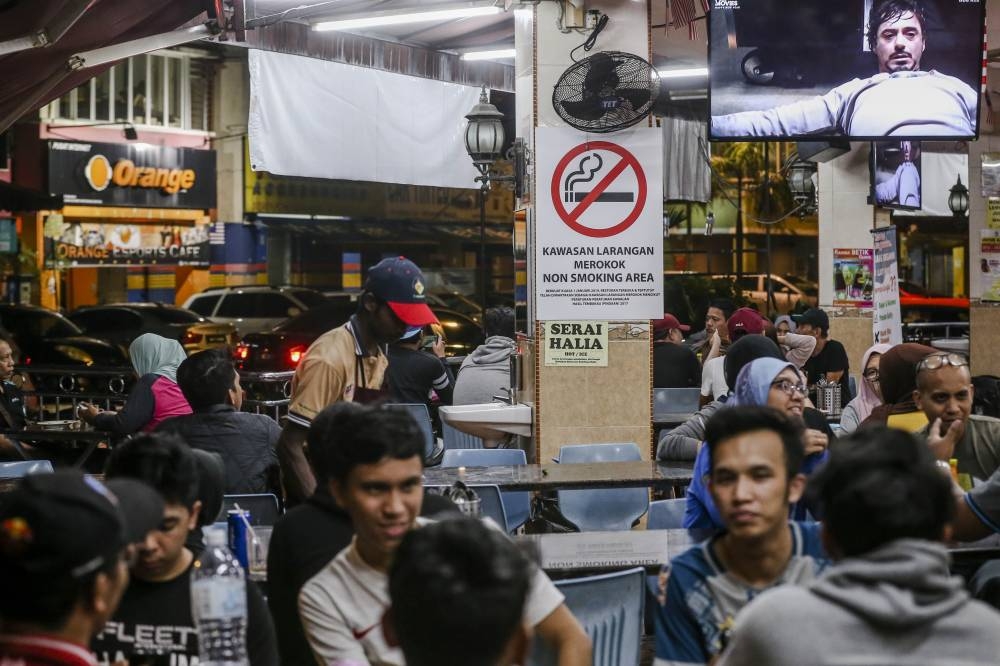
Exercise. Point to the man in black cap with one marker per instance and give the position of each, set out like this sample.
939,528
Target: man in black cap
65,539
348,363
829,359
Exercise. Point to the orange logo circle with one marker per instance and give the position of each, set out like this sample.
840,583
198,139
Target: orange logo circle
98,172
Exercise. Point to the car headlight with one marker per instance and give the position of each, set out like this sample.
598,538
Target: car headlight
75,353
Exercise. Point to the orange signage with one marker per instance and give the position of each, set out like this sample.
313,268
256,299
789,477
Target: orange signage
100,174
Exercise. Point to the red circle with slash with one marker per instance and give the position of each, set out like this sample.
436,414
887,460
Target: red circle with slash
572,217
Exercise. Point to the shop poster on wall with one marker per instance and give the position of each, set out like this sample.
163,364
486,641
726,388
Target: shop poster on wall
853,277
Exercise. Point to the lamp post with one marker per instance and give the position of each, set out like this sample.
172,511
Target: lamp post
800,182
958,199
484,139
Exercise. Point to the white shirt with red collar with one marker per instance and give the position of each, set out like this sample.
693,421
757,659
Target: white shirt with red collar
342,606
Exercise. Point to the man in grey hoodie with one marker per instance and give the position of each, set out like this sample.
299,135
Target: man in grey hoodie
486,371
890,598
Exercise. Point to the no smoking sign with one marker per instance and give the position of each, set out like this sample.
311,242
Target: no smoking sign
598,244
598,189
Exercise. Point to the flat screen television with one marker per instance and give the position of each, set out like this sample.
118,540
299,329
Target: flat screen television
895,174
808,69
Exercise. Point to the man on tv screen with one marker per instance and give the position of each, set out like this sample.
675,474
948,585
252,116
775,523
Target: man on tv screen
900,100
902,188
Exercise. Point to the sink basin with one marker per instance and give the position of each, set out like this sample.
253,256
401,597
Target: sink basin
489,420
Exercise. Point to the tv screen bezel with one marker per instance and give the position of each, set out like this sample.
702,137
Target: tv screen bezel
821,136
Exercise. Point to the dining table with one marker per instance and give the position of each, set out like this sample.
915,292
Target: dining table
80,442
567,476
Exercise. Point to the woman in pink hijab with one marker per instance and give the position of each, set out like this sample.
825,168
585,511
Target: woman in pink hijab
869,393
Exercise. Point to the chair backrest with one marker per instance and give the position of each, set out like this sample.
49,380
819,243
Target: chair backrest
614,509
675,400
422,416
516,504
491,503
15,470
456,439
610,609
666,514
264,508
852,383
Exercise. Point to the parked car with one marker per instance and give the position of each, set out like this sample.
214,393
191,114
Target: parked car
452,300
253,309
121,323
58,358
914,296
788,292
282,347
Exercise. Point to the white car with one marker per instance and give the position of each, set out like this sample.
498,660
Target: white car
787,292
253,309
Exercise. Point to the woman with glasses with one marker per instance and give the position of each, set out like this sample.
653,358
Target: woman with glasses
763,382
869,393
898,380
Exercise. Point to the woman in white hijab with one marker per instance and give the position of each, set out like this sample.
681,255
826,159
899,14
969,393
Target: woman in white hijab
155,396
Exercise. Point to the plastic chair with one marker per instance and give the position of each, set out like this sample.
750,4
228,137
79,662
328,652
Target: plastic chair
852,383
613,509
422,416
15,470
264,508
666,514
491,503
610,608
676,400
456,439
516,503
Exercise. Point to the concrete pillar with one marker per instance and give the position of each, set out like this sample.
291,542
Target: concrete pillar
578,405
845,221
984,318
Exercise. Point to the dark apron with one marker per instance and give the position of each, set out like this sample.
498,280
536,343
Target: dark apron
362,394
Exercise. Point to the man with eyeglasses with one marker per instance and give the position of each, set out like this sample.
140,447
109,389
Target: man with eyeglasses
348,363
944,393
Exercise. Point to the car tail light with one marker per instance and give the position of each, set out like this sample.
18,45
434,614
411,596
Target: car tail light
191,338
242,352
295,354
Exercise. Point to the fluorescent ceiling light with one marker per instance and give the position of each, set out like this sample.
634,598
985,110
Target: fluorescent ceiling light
488,55
400,19
682,73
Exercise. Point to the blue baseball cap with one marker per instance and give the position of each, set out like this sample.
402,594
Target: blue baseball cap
399,282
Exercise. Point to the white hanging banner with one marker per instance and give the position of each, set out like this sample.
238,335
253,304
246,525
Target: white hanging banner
599,229
323,119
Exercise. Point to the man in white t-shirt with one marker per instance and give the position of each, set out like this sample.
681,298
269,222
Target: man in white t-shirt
377,479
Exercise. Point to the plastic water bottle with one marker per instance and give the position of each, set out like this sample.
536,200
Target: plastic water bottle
219,603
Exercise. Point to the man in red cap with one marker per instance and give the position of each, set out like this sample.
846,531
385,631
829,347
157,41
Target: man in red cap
744,321
348,362
674,365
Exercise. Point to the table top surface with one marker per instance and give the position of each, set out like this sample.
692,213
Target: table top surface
566,476
581,551
60,435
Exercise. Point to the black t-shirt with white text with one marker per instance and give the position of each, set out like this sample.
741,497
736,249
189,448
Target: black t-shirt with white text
833,358
153,626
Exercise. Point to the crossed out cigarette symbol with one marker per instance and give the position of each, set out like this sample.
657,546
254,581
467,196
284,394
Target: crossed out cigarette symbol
586,169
